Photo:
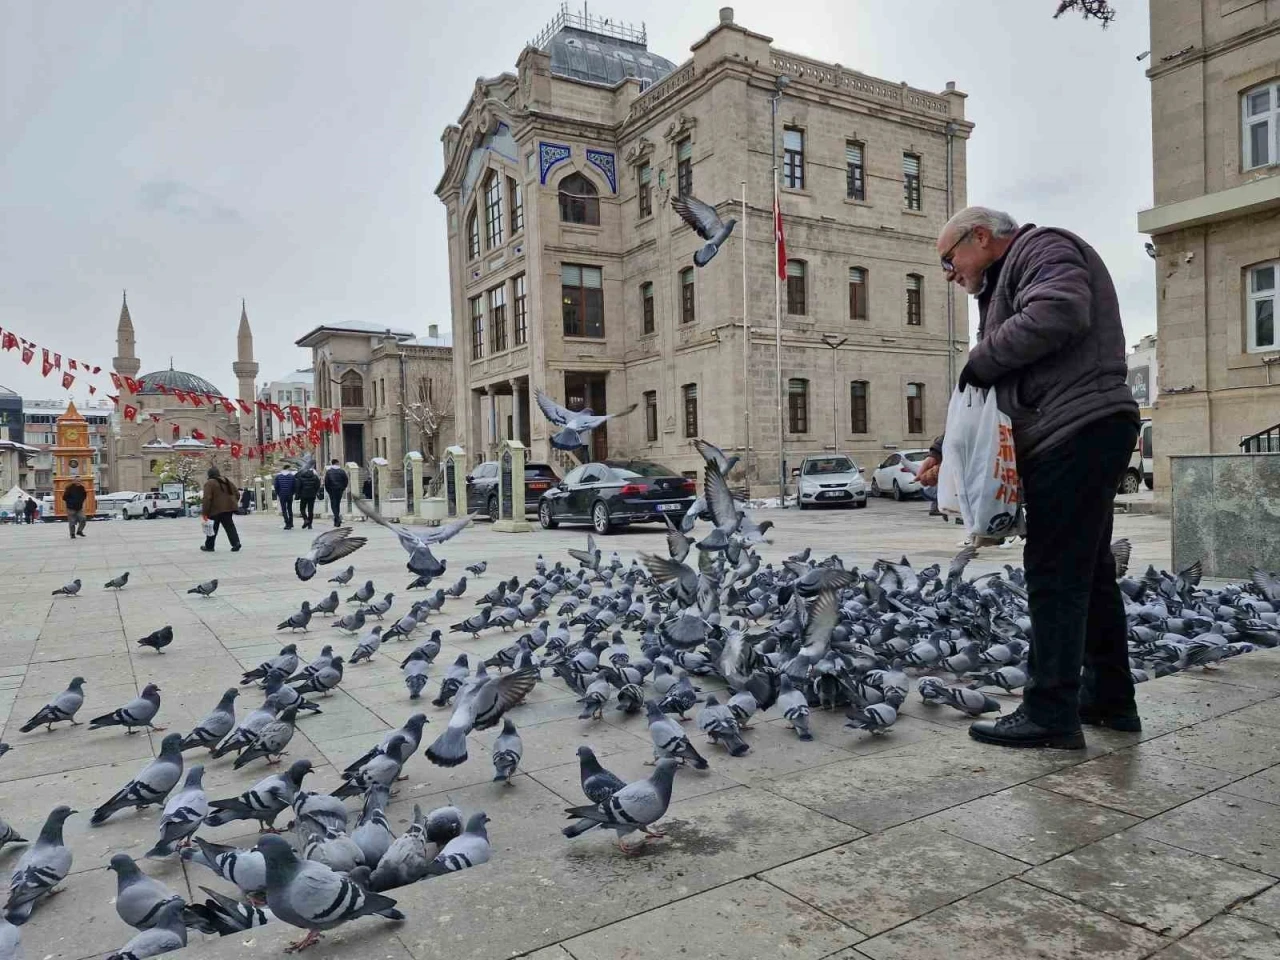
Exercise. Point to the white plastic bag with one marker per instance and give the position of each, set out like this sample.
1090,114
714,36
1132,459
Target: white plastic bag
208,527
979,473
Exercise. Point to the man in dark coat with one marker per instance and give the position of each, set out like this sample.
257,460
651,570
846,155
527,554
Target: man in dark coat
30,508
1051,344
218,503
74,497
335,485
284,485
307,488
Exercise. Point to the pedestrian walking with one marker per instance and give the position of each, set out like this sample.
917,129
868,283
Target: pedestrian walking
218,504
335,485
284,486
73,498
246,498
307,487
1050,343
30,509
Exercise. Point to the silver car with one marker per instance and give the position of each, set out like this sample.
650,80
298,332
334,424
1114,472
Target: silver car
832,480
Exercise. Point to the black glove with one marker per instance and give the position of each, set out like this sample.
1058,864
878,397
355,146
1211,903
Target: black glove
968,378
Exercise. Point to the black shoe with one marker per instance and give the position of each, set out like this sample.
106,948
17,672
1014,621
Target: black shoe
79,534
236,548
1125,719
1019,730
207,549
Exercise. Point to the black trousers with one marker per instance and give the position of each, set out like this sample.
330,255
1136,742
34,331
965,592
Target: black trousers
1077,614
307,508
227,522
335,501
286,511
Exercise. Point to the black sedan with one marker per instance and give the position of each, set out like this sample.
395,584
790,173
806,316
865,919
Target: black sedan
482,487
614,493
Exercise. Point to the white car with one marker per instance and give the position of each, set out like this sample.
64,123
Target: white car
896,476
151,505
830,481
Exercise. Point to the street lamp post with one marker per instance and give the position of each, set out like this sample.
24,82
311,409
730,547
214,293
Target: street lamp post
779,85
835,345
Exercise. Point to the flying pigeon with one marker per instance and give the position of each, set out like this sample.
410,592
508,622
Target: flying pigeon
138,712
329,546
469,849
421,560
344,576
150,786
68,589
507,750
117,583
62,707
714,456
636,806
184,813
479,706
573,424
205,589
299,620
42,867
159,639
706,223
264,801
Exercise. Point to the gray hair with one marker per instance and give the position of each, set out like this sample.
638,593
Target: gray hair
997,221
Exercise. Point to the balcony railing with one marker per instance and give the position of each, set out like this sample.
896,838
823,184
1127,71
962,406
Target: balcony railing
1264,441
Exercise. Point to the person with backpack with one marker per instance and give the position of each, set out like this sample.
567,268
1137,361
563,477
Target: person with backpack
284,486
218,504
307,489
335,485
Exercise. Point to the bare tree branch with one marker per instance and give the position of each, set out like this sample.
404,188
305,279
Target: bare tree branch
1100,10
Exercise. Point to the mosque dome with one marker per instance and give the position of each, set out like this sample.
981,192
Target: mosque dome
176,380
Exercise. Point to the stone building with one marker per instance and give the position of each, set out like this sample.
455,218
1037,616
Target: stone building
297,389
570,272
1215,112
395,391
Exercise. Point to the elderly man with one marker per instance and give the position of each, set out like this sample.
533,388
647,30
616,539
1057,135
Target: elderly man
1051,344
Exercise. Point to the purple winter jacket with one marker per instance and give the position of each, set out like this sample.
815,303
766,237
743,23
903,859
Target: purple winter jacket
1051,342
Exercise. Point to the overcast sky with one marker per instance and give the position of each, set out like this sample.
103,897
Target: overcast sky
286,152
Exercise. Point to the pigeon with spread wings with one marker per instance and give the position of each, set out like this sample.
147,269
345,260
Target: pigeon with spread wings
329,546
573,424
706,223
418,546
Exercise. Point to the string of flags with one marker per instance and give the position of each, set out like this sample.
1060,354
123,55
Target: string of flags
312,420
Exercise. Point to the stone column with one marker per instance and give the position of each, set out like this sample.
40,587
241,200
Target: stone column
353,487
493,420
517,428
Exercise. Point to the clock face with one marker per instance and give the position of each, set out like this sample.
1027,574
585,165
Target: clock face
74,464
72,434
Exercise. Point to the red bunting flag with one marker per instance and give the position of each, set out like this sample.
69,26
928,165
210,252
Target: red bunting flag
28,352
92,389
180,395
57,361
779,240
113,399
116,381
71,364
296,416
227,405
197,434
195,399
155,417
95,371
337,415
162,388
237,449
45,363
135,386
262,405
8,340
67,380
277,412
130,412
219,442
314,417
313,435
244,407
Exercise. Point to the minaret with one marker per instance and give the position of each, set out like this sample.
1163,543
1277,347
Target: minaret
245,370
126,362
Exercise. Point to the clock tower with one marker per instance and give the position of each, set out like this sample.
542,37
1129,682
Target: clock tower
72,460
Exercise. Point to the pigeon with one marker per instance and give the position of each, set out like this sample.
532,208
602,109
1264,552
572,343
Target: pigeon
9,835
217,723
329,546
318,813
573,425
367,647
245,868
479,707
285,662
474,624
719,724
328,605
668,739
411,732
311,896
351,622
706,223
324,680
795,708
158,639
379,607
184,812
264,800
458,589
205,589
150,786
443,824
138,712
875,717
476,569
636,806
10,941
68,589
415,674
454,677
382,769
139,898
335,849
246,731
744,705
973,702
402,627
469,849
42,867
373,833
363,594
598,693
315,666
598,785
117,583
714,455
407,859
344,576
222,915
507,750
299,620
421,561
168,932
62,707
272,739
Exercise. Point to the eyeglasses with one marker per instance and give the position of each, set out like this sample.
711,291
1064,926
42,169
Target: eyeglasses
947,264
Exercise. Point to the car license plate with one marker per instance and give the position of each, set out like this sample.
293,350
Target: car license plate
831,495
664,507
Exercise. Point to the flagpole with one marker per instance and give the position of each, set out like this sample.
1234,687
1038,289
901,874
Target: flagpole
746,349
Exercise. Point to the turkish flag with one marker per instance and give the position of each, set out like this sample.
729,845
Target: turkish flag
779,240
245,407
196,434
180,395
227,405
237,449
314,416
155,417
57,361
8,340
296,416
67,380
95,371
27,353
45,363
195,399
92,389
337,415
116,381
219,442
177,432
71,364
130,412
277,412
135,386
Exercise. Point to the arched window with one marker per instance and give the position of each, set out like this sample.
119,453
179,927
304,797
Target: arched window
796,298
579,200
352,389
473,235
493,210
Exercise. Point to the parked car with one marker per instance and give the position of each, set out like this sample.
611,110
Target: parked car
615,493
830,481
482,487
895,478
1140,469
151,505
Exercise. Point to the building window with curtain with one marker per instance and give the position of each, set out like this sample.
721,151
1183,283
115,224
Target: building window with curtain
796,299
690,392
858,406
498,319
1259,126
915,312
687,308
582,290
579,201
644,191
477,328
520,309
915,408
646,308
1262,308
684,167
857,293
798,406
473,235
911,181
793,158
855,174
516,194
651,415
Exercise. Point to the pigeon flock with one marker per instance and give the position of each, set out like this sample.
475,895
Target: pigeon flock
707,636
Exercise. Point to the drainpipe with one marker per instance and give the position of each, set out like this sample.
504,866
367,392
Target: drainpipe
951,300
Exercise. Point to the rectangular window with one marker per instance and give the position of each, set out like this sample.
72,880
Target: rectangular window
498,319
915,408
644,191
424,390
687,309
915,315
911,181
646,308
473,236
796,300
493,211
793,158
651,415
858,406
855,174
1259,126
690,391
477,328
582,290
857,293
684,168
1262,308
520,303
516,193
798,406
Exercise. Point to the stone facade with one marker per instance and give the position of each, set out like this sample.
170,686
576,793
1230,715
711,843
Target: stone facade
546,128
1213,223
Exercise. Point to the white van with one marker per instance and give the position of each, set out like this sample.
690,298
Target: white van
1140,470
